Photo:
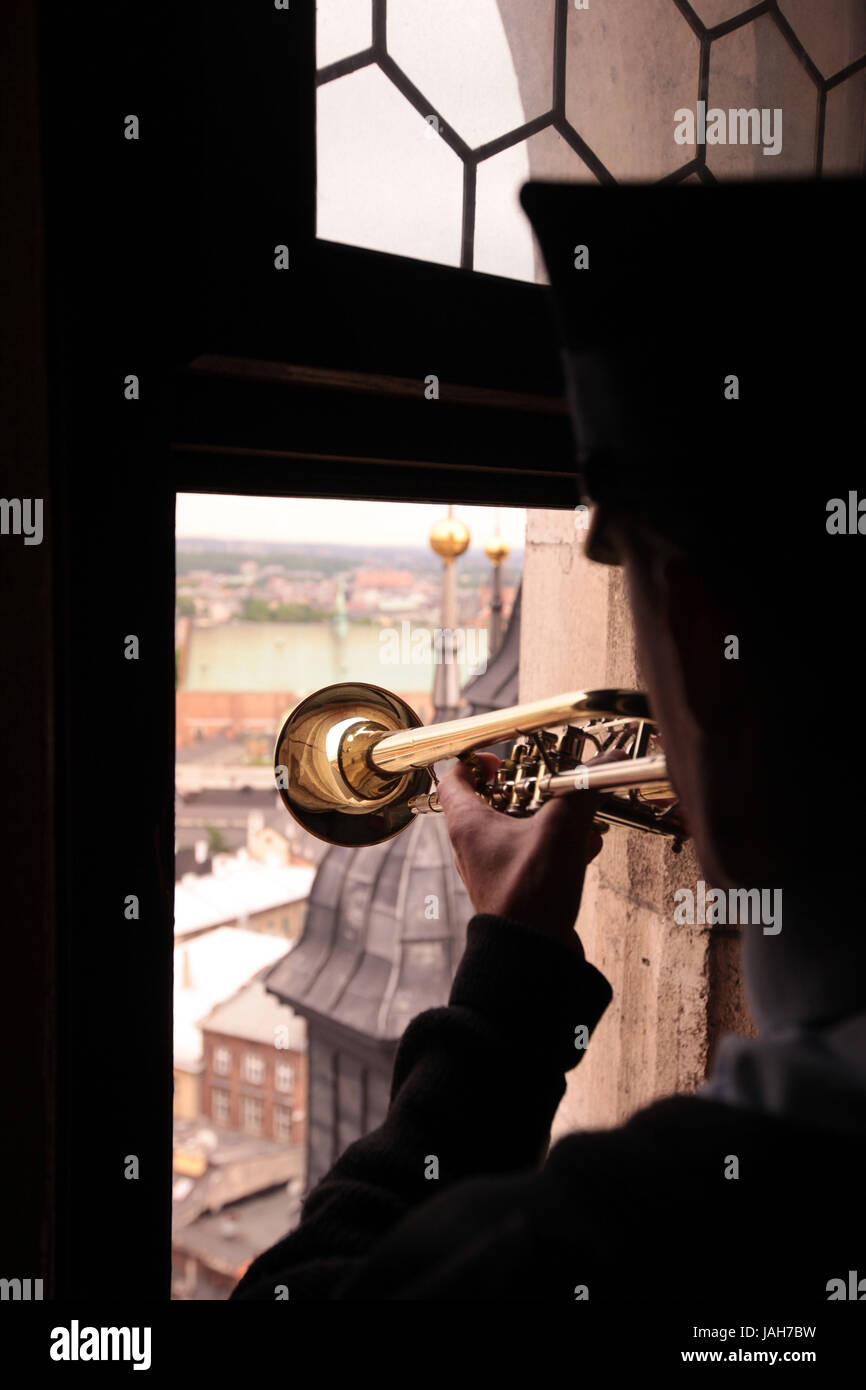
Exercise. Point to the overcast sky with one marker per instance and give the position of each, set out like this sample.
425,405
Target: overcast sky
293,519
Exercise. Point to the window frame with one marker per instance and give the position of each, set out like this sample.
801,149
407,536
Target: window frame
220,1053
254,1070
282,1113
226,1099
280,1067
258,1106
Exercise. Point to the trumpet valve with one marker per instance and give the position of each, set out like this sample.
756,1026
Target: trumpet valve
571,746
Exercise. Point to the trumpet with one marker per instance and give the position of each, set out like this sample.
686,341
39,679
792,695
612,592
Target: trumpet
354,765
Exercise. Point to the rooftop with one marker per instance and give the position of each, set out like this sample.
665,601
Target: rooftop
302,657
238,887
207,971
252,1013
228,1241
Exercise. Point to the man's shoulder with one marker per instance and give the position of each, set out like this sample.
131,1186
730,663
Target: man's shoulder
737,1196
694,1126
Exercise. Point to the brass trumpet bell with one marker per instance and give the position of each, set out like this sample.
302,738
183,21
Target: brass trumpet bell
323,774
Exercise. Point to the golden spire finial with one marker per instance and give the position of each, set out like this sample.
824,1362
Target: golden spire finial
450,537
497,550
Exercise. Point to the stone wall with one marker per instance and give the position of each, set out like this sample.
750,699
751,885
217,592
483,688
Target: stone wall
675,987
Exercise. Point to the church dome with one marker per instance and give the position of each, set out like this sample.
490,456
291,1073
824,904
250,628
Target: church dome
384,932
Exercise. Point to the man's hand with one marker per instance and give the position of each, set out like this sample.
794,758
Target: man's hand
530,869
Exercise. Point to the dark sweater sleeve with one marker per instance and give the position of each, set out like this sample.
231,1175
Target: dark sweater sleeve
475,1087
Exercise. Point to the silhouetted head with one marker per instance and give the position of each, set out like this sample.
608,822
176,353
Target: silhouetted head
715,407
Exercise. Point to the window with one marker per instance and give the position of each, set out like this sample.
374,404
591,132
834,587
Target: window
254,1069
284,1076
219,1107
282,1123
222,1061
251,1113
421,131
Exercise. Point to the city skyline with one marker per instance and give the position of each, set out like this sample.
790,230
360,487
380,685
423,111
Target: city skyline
339,521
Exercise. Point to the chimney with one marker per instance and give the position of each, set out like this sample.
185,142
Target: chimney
200,851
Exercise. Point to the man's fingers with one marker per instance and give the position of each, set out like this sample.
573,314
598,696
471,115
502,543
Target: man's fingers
568,816
457,787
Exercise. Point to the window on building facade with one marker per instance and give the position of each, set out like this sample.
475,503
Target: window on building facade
282,1123
254,1069
222,1061
219,1106
251,1115
284,1076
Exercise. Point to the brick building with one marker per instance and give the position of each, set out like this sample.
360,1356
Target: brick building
205,713
254,1051
207,971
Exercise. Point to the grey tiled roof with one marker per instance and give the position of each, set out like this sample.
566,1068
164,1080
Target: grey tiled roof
496,687
369,957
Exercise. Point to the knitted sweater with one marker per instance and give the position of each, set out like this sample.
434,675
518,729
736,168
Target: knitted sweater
455,1196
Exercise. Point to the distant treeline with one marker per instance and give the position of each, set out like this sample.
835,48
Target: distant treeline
328,561
257,610
218,562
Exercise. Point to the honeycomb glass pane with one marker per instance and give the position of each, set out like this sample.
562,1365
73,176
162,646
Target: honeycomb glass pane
457,54
843,124
833,33
343,27
504,244
385,179
714,12
630,67
753,70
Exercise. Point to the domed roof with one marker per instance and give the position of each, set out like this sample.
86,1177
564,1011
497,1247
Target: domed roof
384,932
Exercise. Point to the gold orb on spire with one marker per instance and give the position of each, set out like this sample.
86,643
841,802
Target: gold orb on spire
449,538
497,550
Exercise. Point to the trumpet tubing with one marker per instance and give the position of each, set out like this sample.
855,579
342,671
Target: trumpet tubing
354,764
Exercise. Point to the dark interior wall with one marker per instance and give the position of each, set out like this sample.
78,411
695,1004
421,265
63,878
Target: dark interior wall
144,258
155,252
26,729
